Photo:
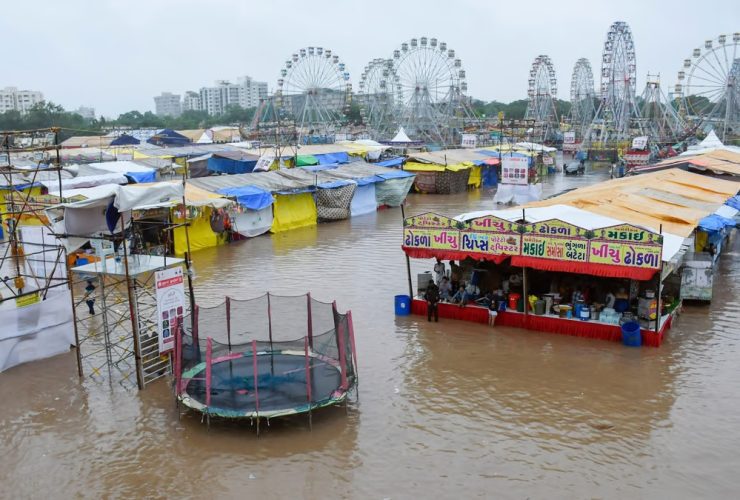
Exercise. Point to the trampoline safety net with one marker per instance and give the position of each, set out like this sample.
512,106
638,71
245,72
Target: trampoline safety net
265,357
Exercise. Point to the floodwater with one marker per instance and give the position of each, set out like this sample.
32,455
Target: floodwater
445,410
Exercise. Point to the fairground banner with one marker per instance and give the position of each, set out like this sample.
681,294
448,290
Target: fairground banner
491,238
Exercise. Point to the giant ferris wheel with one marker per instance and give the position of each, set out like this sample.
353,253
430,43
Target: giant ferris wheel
314,89
618,107
430,87
377,97
582,96
543,87
707,86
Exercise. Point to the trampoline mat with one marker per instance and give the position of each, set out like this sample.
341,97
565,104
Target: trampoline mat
281,383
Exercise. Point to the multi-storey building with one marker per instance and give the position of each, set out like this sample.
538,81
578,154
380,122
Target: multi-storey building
191,101
12,99
167,104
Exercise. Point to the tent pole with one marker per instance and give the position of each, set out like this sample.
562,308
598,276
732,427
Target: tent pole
408,261
658,291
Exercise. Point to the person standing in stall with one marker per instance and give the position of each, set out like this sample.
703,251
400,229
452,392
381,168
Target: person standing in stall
439,272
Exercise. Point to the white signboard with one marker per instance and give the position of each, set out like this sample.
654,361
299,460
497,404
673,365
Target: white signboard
469,141
515,170
170,305
569,138
264,163
547,160
639,142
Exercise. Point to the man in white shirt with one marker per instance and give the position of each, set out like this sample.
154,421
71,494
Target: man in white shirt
439,272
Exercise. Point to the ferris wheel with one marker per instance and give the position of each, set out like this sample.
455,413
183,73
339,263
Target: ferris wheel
543,87
377,97
618,105
582,95
314,88
708,85
430,88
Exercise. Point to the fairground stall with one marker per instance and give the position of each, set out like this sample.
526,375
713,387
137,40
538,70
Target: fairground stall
555,269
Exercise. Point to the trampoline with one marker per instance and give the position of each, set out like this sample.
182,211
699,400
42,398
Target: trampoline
252,371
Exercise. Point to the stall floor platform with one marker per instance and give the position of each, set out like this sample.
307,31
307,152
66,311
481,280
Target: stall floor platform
549,324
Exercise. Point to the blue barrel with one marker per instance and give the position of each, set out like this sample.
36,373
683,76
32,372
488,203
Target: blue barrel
631,334
403,305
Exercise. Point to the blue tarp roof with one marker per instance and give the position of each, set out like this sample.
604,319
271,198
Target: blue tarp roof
251,197
395,175
734,202
168,137
714,223
393,162
327,158
226,165
124,140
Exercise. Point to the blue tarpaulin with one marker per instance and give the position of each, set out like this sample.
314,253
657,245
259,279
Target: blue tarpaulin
168,137
734,202
715,223
224,165
489,177
327,158
251,197
125,140
393,162
395,175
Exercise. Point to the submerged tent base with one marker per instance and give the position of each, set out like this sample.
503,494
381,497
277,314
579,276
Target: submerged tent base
548,324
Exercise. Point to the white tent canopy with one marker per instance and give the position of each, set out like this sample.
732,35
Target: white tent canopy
710,143
401,136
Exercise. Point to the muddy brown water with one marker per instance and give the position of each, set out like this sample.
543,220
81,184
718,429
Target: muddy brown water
447,410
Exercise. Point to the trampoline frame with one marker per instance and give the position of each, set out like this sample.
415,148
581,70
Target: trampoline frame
344,360
338,395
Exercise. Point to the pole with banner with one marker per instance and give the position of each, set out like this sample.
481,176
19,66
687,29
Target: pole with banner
171,305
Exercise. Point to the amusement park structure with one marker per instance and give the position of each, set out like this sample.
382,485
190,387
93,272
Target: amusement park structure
543,87
618,109
582,97
707,88
313,91
658,118
430,90
377,97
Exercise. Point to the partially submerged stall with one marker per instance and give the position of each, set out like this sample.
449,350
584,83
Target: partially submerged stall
626,241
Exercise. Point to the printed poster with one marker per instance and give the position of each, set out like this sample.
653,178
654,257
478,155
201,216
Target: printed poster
170,305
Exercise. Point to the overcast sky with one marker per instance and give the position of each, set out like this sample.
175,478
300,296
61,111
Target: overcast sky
115,55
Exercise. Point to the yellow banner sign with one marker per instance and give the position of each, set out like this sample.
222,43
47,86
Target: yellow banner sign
554,227
625,254
545,247
431,220
628,233
438,239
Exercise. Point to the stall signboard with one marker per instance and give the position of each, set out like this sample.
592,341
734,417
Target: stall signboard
640,142
492,235
555,239
626,245
515,170
621,245
432,231
569,137
171,304
547,160
625,254
469,141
